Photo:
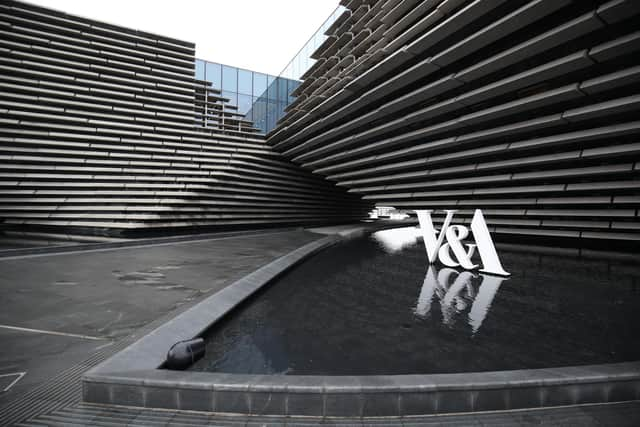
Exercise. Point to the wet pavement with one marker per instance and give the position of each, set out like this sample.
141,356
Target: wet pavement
61,310
58,309
626,414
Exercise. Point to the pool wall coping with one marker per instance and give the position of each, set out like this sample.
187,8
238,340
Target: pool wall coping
132,378
150,351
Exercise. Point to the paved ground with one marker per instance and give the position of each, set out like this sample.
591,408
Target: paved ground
624,414
63,313
58,309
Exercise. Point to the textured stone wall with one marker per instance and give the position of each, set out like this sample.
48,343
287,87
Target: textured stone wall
526,109
101,131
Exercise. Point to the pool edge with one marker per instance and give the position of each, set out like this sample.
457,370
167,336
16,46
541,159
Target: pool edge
131,377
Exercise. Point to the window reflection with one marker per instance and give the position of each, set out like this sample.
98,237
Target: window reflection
199,69
244,105
229,78
259,84
231,96
280,111
213,74
245,82
282,89
260,113
271,94
292,85
272,113
263,86
272,88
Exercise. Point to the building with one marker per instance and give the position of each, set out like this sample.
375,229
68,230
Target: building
102,133
526,109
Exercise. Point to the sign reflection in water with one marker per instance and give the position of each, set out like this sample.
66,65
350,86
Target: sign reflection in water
455,290
371,306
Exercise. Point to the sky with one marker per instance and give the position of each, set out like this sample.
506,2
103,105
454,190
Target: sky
258,35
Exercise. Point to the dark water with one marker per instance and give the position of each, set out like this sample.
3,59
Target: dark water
374,306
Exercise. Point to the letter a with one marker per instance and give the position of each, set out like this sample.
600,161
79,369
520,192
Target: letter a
486,249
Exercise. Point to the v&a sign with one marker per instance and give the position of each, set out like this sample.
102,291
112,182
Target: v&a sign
453,253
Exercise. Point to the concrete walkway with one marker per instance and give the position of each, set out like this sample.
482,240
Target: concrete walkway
60,308
65,312
625,414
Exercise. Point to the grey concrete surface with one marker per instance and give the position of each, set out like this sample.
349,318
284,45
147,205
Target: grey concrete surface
106,295
150,351
618,414
38,356
131,377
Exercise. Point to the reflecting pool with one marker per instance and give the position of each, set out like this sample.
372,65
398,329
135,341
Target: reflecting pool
373,306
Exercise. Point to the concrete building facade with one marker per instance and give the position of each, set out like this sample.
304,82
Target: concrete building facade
99,133
525,109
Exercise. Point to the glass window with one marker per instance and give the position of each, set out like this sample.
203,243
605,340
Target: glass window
282,89
229,78
231,96
245,83
272,114
280,112
292,85
260,113
244,104
259,84
199,69
272,88
293,68
213,74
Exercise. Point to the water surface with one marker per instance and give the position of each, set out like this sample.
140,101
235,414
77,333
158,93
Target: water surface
373,306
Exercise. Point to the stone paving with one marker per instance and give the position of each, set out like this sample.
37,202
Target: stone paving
57,309
64,312
625,414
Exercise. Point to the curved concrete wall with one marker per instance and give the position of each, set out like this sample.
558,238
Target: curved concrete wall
101,129
527,109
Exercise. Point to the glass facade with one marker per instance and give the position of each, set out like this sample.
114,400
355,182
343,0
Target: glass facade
262,98
303,61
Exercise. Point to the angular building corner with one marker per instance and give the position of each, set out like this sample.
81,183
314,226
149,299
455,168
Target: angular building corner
101,133
525,109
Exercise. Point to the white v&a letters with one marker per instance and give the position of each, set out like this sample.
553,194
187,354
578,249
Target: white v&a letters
455,235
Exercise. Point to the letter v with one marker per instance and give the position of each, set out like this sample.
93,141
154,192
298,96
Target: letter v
432,242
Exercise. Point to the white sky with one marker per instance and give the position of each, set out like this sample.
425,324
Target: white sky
258,35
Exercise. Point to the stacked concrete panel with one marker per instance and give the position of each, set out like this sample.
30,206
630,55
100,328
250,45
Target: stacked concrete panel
527,109
101,130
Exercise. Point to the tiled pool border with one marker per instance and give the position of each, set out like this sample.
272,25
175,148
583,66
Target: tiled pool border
131,377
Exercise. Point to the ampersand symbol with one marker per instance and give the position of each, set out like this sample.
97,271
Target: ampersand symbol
455,235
